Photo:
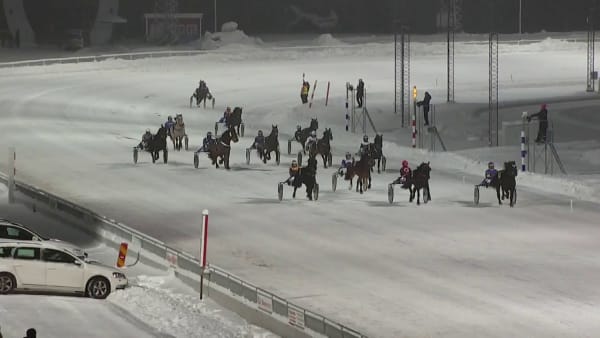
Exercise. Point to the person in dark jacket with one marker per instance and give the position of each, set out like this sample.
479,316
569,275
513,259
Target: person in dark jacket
425,104
304,92
360,92
31,333
542,116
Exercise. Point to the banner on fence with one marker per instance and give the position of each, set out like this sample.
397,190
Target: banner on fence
265,302
296,316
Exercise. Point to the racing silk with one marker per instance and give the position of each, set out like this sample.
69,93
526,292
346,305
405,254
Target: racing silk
405,172
294,171
490,174
224,118
309,141
347,163
259,141
305,88
146,137
169,125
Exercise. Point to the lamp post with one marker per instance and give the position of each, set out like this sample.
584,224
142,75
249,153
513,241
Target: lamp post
215,16
520,16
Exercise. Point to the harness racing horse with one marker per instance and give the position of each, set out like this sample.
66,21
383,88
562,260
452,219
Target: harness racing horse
303,134
323,147
271,144
377,152
307,176
235,119
178,133
362,169
418,181
222,148
157,143
507,182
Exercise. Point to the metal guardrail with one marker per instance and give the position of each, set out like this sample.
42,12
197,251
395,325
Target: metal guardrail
237,286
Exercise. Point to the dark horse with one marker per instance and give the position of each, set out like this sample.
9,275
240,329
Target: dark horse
235,120
362,169
507,182
271,143
378,151
418,181
322,147
158,142
222,147
307,176
302,135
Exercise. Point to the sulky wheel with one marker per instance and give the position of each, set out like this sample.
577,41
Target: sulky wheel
216,129
329,160
334,182
247,155
391,193
186,142
165,155
513,200
300,158
277,156
135,155
196,160
476,195
383,162
316,192
280,191
289,147
242,129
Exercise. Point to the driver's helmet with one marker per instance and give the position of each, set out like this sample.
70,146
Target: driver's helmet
260,133
209,134
313,133
170,118
491,165
405,163
148,131
348,155
298,127
294,163
228,110
366,138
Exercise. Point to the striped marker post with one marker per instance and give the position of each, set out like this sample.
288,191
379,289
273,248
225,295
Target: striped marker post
523,151
347,107
122,255
204,242
327,95
312,96
414,118
12,172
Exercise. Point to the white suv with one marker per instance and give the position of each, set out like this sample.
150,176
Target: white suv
12,231
44,266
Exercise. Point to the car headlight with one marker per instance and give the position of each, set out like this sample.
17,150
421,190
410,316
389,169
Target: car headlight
118,275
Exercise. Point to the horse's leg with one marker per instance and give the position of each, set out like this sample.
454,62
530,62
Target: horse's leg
294,194
378,165
309,190
498,193
418,195
369,181
412,193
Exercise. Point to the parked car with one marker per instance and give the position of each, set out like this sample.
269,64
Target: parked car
12,231
43,266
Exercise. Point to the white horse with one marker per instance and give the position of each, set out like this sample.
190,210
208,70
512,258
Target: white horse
178,133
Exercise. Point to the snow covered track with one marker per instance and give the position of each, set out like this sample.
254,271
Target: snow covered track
444,269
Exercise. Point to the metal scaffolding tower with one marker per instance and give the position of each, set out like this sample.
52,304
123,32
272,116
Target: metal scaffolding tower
493,90
451,30
402,71
591,39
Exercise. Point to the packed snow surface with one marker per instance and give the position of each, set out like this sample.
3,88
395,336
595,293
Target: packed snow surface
447,269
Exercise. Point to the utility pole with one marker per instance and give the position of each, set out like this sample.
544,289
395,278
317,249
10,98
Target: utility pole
520,16
215,16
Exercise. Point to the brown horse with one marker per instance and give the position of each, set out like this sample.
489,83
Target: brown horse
222,148
362,169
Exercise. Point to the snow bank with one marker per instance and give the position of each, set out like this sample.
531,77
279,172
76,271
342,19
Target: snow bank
154,301
328,40
229,36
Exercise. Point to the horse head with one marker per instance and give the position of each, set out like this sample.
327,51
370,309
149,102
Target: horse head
327,135
510,167
423,169
314,124
161,132
274,130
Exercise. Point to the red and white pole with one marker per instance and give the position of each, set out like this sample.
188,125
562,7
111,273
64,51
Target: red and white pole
327,95
203,246
414,131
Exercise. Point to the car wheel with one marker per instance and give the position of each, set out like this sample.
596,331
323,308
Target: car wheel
7,283
98,288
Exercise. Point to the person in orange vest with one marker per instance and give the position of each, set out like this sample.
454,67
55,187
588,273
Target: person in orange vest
304,92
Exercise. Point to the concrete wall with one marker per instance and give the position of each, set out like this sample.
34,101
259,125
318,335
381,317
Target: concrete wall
17,21
102,31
